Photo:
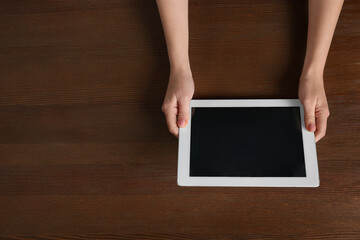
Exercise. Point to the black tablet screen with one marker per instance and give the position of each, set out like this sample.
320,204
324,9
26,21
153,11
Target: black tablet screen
246,142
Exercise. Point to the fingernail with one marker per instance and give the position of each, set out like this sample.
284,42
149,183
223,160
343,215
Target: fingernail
182,123
311,127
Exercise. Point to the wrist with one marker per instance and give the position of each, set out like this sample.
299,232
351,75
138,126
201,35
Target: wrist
311,80
181,75
312,73
179,59
313,67
180,67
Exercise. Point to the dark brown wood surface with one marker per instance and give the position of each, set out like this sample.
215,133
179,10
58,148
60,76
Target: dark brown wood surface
84,148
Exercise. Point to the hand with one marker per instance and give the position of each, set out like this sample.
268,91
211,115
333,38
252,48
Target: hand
312,96
176,104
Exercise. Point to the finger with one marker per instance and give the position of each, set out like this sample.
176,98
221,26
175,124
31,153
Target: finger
321,123
183,115
309,110
170,110
171,123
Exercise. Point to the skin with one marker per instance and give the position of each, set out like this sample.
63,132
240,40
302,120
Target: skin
323,16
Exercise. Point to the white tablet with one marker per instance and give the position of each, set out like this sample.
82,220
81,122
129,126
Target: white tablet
258,143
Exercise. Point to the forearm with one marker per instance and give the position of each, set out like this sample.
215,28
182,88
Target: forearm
323,16
174,18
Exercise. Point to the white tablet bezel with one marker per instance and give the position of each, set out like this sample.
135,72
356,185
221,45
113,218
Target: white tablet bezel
311,163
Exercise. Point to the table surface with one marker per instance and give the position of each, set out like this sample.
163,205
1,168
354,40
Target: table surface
85,151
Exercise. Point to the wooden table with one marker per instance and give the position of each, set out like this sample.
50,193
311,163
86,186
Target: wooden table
85,151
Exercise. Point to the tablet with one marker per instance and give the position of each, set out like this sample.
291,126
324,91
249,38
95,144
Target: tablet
244,143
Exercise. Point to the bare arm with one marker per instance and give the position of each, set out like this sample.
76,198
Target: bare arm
323,16
174,18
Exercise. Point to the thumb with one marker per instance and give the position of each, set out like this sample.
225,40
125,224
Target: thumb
309,109
183,114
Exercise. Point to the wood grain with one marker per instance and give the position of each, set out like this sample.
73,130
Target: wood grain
84,148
